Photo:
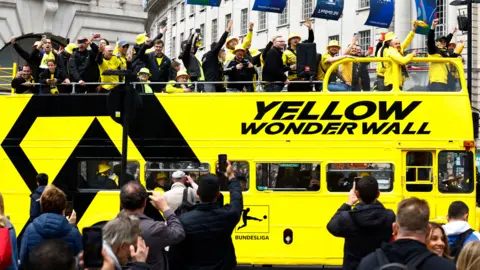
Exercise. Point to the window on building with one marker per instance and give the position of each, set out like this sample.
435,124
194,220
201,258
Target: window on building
341,176
283,17
214,30
192,10
441,29
243,21
335,37
365,39
419,172
455,172
262,21
288,176
105,174
181,38
202,34
363,4
182,11
174,48
307,9
174,15
228,17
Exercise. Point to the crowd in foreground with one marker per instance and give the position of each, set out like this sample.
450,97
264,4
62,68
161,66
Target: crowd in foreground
229,66
196,234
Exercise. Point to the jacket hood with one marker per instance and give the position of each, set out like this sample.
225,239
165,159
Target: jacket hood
456,227
369,215
403,250
50,225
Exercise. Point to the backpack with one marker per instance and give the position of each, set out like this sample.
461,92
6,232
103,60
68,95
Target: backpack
5,248
457,246
186,206
384,263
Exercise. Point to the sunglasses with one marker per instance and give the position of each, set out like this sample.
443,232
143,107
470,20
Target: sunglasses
144,73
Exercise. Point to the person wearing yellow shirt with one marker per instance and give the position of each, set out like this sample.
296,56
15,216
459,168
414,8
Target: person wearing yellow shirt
326,62
160,181
233,41
395,54
106,61
143,76
182,84
290,59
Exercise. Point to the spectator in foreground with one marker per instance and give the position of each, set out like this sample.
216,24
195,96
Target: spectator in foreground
52,254
42,182
437,241
180,182
209,226
364,227
121,240
274,70
5,223
410,230
457,229
469,258
51,224
23,82
53,77
157,234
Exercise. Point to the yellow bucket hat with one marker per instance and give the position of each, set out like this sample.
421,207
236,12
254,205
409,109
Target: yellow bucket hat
334,43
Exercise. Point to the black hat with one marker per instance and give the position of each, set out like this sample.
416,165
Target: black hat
442,39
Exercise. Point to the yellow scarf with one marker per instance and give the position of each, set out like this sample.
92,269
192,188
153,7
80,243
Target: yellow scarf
53,88
45,58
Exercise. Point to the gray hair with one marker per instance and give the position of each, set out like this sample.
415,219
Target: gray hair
123,229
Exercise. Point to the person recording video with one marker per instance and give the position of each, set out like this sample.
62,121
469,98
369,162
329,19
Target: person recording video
238,69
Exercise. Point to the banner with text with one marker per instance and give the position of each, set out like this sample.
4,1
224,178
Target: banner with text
381,13
328,9
426,12
275,6
213,3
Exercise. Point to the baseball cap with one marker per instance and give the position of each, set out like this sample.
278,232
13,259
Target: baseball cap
122,43
178,174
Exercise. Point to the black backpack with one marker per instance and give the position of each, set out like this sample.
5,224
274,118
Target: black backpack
457,246
186,206
384,263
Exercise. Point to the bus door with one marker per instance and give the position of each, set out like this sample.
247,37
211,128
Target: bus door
418,179
456,182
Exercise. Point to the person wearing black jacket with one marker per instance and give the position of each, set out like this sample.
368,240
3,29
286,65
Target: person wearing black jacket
213,66
158,63
410,230
274,69
23,83
366,226
142,39
53,77
238,69
190,61
25,56
208,227
82,65
360,75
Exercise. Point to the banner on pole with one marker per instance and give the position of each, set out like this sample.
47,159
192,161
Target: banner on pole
275,6
381,13
329,9
213,3
426,12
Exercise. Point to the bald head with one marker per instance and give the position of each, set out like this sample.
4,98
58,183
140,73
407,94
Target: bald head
133,196
107,53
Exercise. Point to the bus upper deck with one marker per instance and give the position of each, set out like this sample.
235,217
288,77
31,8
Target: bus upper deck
297,154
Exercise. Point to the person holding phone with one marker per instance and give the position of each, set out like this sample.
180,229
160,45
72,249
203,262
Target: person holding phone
363,221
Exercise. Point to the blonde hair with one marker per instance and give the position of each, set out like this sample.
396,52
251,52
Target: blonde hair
3,219
469,258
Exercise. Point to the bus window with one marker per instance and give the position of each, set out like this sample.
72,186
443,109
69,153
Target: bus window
104,174
419,171
158,175
455,172
431,77
242,173
288,176
341,176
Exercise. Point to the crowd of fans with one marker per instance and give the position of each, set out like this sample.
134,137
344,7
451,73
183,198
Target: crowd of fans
233,68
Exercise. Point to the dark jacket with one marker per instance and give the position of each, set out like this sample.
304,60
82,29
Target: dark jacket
49,226
405,250
59,74
274,70
35,203
234,74
360,77
158,235
82,65
20,89
212,66
137,64
208,227
26,56
190,62
65,58
432,47
160,73
364,228
36,59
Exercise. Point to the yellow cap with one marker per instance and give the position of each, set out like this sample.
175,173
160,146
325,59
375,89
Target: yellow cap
141,38
239,47
144,70
363,174
103,167
420,23
390,36
182,73
70,47
161,175
230,39
333,43
294,35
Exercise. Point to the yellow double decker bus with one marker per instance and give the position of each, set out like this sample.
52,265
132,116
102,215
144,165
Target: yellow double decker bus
299,154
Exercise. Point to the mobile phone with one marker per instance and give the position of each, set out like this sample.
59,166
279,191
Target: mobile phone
96,35
198,30
356,180
222,162
92,247
69,209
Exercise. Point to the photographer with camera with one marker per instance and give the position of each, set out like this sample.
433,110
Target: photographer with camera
238,69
